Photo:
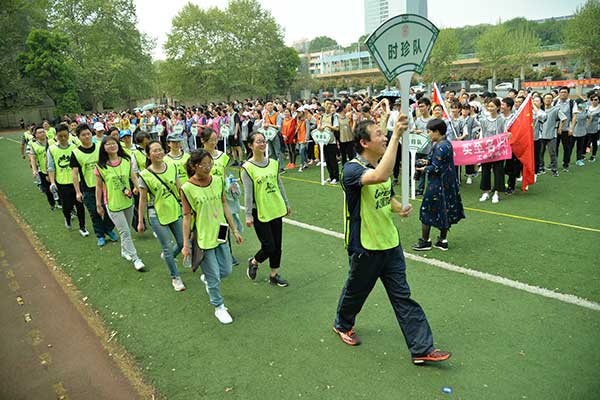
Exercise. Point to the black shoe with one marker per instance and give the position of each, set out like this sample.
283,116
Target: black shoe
235,261
278,280
554,173
441,244
252,269
418,193
509,192
422,245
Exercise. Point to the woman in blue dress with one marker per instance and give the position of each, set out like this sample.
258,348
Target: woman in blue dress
442,206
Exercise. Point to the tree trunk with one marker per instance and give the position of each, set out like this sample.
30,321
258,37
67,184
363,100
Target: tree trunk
522,73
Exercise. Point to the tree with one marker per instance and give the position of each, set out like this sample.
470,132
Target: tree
493,48
17,18
524,45
111,57
582,33
321,42
225,55
46,63
444,52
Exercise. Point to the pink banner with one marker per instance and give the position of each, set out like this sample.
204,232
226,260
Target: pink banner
480,151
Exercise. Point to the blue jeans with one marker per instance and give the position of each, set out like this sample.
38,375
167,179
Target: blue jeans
164,233
275,151
303,154
216,265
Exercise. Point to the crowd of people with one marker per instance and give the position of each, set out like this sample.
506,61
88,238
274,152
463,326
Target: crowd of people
166,169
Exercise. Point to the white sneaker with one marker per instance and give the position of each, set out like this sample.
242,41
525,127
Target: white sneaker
178,284
138,265
84,232
495,198
300,169
223,315
333,182
469,180
126,256
327,180
203,279
484,197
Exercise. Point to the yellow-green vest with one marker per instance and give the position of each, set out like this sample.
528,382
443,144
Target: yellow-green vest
87,164
62,163
167,207
116,179
267,196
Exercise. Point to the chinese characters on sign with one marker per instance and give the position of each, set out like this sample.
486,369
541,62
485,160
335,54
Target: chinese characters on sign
404,49
470,152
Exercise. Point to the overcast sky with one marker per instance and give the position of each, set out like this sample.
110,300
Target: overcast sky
343,20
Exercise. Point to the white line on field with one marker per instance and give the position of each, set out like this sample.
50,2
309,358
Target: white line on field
566,298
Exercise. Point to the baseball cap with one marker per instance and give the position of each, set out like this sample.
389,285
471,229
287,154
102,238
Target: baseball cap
174,137
99,126
125,132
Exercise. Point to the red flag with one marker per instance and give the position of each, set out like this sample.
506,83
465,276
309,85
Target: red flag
521,141
438,98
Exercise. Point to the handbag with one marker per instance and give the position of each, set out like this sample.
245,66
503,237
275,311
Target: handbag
197,252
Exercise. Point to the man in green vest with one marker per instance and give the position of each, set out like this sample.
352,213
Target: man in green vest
61,178
373,244
83,163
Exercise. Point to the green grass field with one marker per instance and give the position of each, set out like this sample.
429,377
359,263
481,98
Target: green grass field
507,343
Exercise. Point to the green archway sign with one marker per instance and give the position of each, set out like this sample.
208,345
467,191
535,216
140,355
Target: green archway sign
402,44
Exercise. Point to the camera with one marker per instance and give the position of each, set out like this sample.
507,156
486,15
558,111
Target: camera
419,163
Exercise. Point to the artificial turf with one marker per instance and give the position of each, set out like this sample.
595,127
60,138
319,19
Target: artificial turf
506,343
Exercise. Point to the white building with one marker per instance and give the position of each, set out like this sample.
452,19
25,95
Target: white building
378,11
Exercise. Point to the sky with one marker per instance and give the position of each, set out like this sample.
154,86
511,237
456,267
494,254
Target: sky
343,20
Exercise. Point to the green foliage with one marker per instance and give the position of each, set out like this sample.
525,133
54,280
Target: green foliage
524,45
214,53
493,48
111,57
46,63
444,52
583,33
17,18
321,42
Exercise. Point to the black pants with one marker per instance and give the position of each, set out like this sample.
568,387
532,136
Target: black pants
269,235
581,145
390,267
398,161
66,193
537,150
567,143
45,185
101,225
310,151
512,168
347,150
592,141
486,176
330,151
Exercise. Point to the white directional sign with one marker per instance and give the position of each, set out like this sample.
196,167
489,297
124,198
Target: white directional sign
402,43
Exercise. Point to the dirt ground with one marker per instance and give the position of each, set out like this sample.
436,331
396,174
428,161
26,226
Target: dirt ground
51,346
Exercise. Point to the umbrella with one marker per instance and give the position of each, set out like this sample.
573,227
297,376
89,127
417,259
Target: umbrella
149,106
391,95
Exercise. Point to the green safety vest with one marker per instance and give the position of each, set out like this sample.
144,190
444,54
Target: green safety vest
167,207
179,163
62,160
220,163
87,163
116,179
267,196
74,139
208,206
39,153
28,137
51,133
140,158
377,229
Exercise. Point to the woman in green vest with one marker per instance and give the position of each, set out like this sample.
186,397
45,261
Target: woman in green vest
220,159
176,156
266,205
160,180
61,177
203,195
113,188
37,157
83,165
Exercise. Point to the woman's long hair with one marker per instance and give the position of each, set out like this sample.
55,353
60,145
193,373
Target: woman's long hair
103,155
196,157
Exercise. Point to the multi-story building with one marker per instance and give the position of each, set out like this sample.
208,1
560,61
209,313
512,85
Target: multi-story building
378,11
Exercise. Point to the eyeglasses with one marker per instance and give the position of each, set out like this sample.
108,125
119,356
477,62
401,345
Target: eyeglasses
206,166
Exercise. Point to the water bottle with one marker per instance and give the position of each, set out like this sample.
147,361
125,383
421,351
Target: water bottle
231,179
55,193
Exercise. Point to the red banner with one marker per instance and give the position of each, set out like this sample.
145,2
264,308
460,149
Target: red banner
480,151
568,83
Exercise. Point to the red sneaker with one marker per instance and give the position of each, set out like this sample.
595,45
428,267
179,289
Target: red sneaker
435,356
350,337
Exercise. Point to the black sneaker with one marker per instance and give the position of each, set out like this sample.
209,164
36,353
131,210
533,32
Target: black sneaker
555,173
422,245
441,244
278,280
252,269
